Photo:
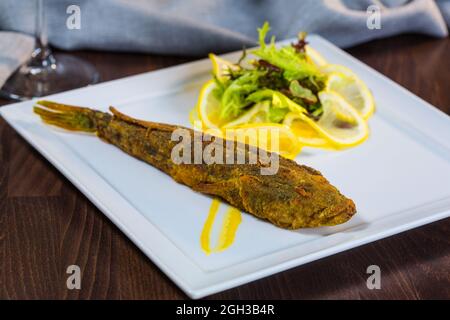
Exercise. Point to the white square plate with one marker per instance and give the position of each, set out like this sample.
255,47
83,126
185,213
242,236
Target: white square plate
399,178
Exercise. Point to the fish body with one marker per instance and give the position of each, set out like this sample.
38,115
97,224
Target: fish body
297,196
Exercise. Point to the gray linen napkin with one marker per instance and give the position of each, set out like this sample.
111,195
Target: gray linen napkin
196,27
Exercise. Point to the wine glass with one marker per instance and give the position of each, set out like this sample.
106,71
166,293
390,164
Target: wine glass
47,73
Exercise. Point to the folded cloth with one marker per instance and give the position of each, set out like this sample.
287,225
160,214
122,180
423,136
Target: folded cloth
15,49
196,27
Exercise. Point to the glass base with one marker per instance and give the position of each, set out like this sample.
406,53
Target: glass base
57,73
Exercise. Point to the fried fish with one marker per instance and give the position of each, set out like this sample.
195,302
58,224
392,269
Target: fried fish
295,197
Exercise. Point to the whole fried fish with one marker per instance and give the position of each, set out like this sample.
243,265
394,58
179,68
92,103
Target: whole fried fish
295,197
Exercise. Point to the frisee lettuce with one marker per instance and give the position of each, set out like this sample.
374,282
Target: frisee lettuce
295,65
299,91
283,78
234,96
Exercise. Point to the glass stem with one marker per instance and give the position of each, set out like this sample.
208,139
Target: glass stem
41,51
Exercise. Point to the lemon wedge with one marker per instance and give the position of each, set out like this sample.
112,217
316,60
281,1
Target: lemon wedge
222,67
344,82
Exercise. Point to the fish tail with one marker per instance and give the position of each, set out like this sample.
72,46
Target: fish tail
65,116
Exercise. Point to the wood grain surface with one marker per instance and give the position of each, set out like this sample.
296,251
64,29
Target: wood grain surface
46,224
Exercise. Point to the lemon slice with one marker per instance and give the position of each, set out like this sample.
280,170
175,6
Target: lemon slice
307,135
208,106
273,137
315,57
349,86
221,67
340,123
208,112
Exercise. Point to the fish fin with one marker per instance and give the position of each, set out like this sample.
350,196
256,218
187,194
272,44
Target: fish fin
208,188
213,188
142,123
65,116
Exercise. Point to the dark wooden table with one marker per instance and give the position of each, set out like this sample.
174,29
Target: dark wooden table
46,224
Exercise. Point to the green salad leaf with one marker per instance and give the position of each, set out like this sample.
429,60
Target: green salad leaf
295,65
282,77
234,96
277,115
299,91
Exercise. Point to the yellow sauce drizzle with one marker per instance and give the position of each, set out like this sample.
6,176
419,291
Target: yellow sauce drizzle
228,230
204,238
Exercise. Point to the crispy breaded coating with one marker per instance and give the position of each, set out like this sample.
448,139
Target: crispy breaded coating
295,197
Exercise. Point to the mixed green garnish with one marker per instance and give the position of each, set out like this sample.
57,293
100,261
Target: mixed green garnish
285,73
